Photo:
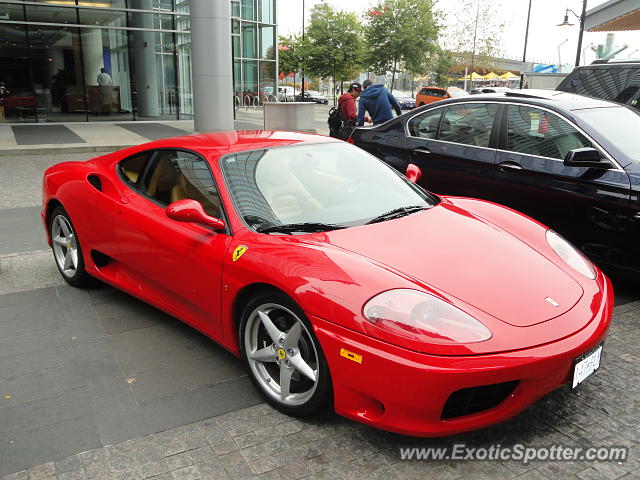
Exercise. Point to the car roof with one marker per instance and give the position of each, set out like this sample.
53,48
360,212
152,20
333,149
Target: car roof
550,98
215,144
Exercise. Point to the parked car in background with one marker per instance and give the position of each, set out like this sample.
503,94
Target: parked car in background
569,161
477,91
406,103
286,94
617,81
428,95
312,96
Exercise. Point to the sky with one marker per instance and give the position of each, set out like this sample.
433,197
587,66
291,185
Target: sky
546,41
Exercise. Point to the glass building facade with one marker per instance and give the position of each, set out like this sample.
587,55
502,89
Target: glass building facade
119,60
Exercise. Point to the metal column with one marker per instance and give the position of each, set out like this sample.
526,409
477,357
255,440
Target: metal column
211,65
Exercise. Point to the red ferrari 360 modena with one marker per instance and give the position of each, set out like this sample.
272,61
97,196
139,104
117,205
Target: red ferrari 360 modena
337,280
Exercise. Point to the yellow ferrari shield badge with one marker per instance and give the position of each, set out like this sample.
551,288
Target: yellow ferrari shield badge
238,252
282,354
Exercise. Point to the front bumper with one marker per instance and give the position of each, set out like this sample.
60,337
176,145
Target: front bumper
403,391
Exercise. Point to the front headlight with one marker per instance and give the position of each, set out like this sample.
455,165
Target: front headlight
422,317
570,255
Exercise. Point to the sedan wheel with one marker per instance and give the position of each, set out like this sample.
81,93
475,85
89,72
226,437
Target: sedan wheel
283,356
66,249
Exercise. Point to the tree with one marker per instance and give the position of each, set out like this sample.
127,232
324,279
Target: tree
290,54
475,36
333,44
401,33
443,63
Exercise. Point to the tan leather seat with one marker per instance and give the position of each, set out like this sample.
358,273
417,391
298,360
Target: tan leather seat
284,193
164,177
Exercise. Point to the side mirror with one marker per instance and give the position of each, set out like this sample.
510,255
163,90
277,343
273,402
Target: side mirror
585,157
190,211
413,173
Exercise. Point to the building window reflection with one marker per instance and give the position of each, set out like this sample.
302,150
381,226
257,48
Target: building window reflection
119,60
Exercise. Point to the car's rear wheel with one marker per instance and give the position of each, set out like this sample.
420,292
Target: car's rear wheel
66,249
421,104
283,355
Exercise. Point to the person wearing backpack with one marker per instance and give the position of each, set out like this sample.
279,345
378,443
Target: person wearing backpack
347,111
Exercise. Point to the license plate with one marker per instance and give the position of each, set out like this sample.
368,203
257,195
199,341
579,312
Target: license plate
585,365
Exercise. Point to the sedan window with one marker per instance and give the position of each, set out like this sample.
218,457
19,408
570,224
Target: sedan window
468,123
425,125
538,132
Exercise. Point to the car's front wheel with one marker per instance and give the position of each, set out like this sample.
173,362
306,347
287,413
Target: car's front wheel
66,249
283,355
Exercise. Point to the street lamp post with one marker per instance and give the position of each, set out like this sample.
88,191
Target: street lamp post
302,88
581,18
524,54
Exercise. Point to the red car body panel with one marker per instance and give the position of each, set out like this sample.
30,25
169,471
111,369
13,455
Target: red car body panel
501,278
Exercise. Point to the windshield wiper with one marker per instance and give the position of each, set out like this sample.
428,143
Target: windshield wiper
397,212
300,227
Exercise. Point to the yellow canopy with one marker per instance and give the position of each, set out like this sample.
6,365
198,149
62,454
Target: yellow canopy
491,76
472,75
508,75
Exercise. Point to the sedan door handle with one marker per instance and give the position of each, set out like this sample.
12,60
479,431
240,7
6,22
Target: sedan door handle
510,166
421,150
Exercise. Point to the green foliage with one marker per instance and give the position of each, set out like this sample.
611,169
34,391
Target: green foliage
443,63
401,33
290,54
333,44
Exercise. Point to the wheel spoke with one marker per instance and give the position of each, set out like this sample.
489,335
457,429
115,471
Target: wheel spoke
274,333
64,227
292,337
266,354
303,367
74,258
285,381
60,240
67,260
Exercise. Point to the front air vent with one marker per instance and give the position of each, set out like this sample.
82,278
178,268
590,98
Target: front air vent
477,399
95,182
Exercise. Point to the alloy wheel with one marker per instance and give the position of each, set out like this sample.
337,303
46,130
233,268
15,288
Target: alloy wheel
281,354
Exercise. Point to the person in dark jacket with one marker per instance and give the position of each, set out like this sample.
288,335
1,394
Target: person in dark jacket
378,101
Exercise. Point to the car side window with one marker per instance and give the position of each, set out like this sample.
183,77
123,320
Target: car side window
468,123
425,125
132,168
541,133
178,175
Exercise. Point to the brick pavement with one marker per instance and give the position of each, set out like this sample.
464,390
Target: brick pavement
259,442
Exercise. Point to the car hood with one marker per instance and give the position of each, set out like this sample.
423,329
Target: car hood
451,250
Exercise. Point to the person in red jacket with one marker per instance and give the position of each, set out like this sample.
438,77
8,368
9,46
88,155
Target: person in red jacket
347,104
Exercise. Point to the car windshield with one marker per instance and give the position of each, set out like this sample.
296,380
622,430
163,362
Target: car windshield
619,125
334,184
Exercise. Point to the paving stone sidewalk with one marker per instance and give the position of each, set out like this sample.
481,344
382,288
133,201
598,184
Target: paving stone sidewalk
259,442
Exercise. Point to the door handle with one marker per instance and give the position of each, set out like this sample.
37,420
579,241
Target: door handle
510,166
421,150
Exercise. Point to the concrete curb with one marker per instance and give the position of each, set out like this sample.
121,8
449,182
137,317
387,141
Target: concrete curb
52,150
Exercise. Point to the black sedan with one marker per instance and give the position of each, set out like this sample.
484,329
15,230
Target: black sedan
569,161
312,96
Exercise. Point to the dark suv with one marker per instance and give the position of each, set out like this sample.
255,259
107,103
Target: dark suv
607,79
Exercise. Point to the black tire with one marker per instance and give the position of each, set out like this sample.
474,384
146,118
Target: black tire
322,397
80,278
421,104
